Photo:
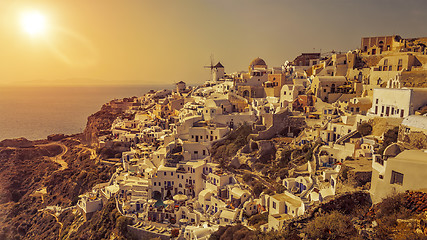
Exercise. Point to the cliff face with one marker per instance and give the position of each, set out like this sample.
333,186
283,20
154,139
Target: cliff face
99,123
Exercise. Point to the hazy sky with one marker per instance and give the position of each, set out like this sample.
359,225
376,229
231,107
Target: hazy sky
157,42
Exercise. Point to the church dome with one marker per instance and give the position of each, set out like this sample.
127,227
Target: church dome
257,62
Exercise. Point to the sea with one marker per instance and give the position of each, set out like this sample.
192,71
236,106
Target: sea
34,112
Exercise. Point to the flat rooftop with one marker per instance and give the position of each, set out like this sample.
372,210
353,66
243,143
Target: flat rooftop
283,197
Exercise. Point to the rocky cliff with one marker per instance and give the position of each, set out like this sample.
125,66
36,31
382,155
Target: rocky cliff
100,123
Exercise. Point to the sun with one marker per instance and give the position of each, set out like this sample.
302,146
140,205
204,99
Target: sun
33,23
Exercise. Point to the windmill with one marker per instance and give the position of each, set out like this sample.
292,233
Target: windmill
212,66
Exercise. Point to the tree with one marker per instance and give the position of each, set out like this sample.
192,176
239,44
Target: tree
258,188
364,129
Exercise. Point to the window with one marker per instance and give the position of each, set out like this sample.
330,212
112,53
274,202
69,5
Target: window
274,205
164,173
396,178
376,101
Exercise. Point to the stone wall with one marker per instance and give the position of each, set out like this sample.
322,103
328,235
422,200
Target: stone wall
413,139
282,123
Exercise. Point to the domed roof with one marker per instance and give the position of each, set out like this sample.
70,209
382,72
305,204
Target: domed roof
258,62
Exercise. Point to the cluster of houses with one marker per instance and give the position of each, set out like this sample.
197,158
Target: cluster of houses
166,176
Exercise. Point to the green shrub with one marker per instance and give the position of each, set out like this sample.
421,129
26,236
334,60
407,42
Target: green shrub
364,129
258,188
330,226
247,177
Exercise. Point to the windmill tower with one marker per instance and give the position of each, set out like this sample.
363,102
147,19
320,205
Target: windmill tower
217,71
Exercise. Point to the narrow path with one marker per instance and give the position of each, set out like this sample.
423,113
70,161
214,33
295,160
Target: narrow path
60,223
58,158
92,151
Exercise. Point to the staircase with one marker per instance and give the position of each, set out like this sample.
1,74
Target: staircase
346,137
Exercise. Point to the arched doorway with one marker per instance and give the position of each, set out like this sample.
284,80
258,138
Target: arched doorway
246,93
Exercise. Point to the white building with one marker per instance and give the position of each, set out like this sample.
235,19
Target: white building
282,207
399,103
405,171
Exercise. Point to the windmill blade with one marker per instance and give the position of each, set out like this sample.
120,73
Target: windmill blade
212,60
212,64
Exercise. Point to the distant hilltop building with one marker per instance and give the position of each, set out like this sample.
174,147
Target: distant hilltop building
306,59
395,43
376,45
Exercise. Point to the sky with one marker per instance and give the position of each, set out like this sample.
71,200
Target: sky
110,42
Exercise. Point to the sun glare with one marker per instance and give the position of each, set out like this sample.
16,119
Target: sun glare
33,23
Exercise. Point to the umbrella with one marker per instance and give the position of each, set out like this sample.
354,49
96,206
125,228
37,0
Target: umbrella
180,197
168,202
183,220
151,201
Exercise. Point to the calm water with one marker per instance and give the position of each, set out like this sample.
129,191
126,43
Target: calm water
35,112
